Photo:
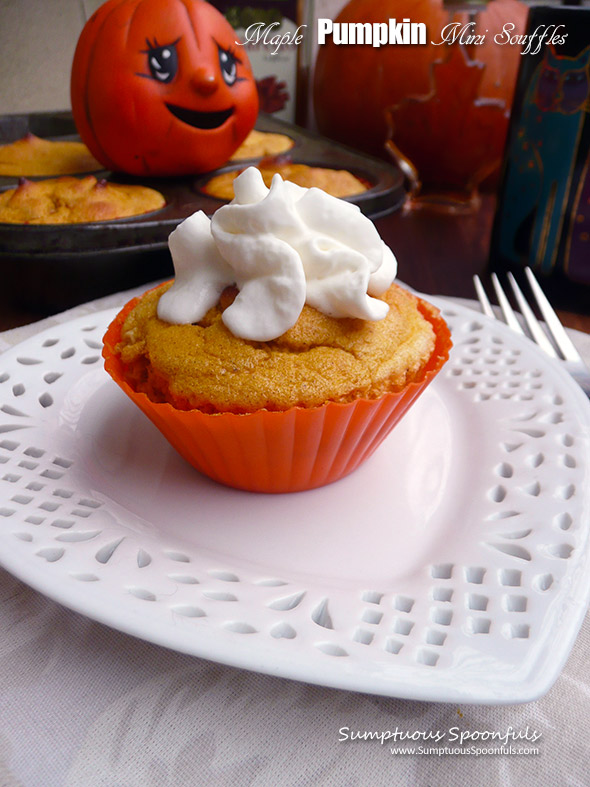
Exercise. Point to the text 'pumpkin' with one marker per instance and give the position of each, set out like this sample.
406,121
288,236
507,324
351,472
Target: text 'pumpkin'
359,90
160,87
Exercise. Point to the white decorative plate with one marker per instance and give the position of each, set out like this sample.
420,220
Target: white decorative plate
454,565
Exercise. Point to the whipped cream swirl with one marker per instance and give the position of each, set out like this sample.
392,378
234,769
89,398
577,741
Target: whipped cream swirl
281,247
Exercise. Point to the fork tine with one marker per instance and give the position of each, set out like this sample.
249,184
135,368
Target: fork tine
533,324
556,329
507,310
486,306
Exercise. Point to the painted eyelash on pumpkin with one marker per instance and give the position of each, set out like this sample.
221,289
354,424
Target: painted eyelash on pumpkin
151,47
230,51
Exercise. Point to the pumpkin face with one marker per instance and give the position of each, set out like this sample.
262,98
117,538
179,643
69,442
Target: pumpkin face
159,87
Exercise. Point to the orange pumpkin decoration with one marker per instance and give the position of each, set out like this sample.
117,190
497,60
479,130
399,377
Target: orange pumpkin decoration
160,87
356,93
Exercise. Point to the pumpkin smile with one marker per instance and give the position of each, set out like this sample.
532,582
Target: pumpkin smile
204,120
150,97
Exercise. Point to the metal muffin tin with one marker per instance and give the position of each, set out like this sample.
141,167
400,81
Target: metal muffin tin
51,267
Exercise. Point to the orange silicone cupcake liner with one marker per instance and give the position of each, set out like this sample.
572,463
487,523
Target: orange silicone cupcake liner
291,451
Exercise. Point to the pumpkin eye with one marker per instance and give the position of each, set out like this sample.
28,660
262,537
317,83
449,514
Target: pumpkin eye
228,63
162,61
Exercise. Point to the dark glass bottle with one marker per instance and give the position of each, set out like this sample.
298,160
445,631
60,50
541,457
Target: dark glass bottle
543,212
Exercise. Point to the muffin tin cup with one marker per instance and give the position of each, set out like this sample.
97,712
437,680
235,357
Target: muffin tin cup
277,452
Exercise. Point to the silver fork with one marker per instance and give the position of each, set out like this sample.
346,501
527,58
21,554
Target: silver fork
563,348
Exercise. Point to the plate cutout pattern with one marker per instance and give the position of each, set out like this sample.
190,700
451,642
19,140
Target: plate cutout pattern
491,600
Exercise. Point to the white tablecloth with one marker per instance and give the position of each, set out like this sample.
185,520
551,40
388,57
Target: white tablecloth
83,705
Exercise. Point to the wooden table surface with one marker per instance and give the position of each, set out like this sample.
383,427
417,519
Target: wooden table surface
437,253
440,253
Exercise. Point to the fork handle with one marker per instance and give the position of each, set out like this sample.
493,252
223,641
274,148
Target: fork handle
583,381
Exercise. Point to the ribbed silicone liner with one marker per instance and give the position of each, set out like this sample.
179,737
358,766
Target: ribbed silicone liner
291,451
